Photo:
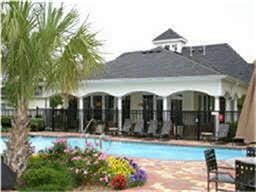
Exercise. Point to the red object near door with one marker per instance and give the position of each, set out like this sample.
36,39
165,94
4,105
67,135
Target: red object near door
221,118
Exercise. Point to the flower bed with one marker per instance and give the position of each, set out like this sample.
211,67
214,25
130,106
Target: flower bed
63,168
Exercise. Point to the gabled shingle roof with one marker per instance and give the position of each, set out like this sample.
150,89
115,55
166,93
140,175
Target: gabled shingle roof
222,58
153,63
169,34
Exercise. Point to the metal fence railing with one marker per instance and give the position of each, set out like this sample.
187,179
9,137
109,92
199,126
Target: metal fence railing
190,121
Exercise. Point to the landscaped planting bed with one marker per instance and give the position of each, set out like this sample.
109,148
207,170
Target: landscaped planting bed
61,168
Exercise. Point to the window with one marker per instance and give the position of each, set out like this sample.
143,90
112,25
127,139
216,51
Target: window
39,91
175,48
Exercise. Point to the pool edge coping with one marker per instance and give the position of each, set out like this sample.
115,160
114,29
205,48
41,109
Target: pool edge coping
134,140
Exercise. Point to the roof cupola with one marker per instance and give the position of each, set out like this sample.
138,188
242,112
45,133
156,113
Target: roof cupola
170,40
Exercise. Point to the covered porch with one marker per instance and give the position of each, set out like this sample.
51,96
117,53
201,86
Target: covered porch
193,104
189,111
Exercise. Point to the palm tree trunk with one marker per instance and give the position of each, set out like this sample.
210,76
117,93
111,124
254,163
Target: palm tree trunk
18,147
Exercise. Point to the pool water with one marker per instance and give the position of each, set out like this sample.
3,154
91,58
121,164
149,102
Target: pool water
140,150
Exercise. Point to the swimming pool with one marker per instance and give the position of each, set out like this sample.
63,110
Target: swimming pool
140,150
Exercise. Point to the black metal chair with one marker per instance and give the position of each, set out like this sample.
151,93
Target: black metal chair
250,152
245,176
213,173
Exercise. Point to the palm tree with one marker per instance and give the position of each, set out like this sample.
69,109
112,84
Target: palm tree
40,44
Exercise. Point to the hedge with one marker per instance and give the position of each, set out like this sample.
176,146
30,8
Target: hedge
36,124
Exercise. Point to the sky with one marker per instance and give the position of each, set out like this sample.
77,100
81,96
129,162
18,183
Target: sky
130,25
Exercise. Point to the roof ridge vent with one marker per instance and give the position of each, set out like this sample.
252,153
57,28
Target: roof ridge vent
204,50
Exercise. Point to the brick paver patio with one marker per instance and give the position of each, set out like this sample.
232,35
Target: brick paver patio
174,176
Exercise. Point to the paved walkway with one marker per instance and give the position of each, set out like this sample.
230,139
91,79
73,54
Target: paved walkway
172,176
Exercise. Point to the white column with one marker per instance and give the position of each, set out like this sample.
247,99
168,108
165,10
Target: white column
165,108
103,107
81,113
47,113
169,105
47,103
155,107
91,102
115,106
228,110
217,109
235,109
92,107
119,107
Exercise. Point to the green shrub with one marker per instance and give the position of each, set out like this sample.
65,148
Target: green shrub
55,101
232,130
37,124
44,175
6,122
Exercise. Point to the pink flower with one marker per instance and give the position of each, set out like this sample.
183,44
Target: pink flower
50,148
66,150
63,140
60,141
89,145
105,179
102,156
76,158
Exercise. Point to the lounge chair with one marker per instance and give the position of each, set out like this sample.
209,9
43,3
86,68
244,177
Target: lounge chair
100,128
139,128
152,128
222,134
166,129
127,126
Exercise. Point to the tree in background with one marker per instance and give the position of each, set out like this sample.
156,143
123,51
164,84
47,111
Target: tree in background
241,102
55,101
40,44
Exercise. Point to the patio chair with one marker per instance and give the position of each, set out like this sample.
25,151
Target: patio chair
127,126
222,133
245,176
152,128
139,128
213,173
250,152
166,129
100,128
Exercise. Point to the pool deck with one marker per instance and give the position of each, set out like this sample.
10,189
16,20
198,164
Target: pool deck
181,142
163,176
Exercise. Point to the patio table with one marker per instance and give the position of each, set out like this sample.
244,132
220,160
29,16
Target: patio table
231,162
113,130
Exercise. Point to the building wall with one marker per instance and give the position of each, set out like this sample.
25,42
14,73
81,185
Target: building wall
158,86
37,102
188,101
233,89
136,101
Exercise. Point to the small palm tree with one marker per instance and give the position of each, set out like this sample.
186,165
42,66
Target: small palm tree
40,45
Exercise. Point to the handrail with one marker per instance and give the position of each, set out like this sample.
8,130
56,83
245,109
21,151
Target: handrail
87,126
